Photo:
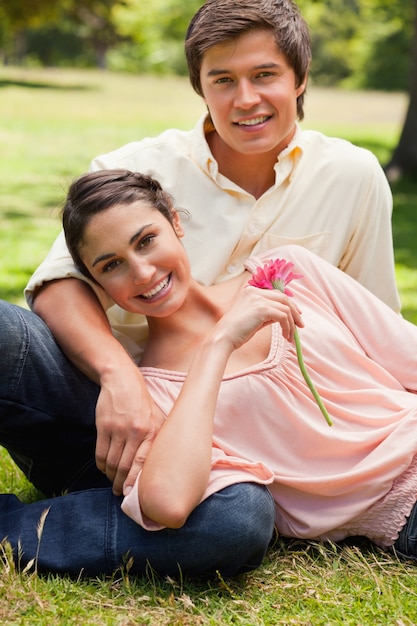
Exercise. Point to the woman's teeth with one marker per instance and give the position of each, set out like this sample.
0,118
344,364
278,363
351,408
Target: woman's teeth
157,289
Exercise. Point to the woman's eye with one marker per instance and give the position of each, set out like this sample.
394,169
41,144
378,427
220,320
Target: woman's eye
110,266
145,241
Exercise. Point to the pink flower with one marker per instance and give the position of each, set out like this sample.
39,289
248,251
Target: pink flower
276,274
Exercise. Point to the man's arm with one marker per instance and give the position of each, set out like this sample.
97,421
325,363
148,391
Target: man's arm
126,417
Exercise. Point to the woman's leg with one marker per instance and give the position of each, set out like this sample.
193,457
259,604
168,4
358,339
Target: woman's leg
87,533
47,407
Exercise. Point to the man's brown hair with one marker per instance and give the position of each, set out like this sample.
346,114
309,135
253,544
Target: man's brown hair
221,21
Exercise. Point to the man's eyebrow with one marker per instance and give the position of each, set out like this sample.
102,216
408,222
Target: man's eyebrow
262,66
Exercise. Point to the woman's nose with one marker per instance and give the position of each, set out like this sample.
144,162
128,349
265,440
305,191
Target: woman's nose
142,272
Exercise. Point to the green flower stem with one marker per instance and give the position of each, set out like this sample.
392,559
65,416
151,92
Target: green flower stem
308,379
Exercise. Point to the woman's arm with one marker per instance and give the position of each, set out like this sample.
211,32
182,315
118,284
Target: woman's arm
176,471
126,417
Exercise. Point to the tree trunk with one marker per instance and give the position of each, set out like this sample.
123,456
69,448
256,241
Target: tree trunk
404,158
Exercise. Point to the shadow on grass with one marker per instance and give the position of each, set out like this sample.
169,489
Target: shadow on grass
16,215
14,294
404,221
29,84
379,148
404,218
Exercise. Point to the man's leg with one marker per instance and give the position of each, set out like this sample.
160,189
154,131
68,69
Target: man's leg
86,532
406,544
47,407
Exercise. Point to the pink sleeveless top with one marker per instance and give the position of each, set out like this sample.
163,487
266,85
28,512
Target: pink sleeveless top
358,477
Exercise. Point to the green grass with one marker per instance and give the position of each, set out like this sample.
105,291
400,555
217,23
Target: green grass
51,124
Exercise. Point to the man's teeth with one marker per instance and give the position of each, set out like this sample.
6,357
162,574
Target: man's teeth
153,292
253,121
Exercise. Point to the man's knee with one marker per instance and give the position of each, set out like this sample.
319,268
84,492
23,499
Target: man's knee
13,336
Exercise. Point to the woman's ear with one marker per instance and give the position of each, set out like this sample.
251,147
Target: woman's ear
176,222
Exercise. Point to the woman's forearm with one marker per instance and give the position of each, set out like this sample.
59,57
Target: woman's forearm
176,471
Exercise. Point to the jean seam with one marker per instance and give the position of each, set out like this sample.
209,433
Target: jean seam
23,352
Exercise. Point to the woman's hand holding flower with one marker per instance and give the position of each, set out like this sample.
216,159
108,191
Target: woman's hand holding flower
253,309
276,275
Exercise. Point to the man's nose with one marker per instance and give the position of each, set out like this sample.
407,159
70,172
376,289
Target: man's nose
246,95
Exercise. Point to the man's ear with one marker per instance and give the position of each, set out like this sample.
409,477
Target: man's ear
302,87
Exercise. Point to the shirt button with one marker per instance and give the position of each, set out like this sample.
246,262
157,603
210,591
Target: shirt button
231,269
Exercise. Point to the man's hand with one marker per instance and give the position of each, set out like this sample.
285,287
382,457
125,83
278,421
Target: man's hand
127,419
127,422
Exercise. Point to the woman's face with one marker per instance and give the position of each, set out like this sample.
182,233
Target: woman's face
136,255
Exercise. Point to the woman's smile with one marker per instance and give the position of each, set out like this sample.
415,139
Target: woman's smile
158,291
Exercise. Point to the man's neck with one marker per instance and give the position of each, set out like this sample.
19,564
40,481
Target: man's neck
253,173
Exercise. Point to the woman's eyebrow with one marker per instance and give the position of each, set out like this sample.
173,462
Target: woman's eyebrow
138,233
109,255
103,257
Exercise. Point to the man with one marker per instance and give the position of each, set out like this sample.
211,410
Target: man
250,179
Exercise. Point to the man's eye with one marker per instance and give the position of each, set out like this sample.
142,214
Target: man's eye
224,79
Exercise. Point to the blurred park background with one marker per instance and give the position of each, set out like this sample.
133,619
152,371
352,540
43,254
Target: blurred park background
356,43
82,77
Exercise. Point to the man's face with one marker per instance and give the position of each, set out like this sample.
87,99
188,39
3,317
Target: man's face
250,91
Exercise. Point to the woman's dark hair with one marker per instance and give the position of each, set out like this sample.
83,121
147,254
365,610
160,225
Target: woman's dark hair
221,21
95,192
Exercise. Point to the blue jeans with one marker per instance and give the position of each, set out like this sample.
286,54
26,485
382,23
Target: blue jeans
406,544
47,423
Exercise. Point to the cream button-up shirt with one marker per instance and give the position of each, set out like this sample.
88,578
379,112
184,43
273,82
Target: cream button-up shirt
329,196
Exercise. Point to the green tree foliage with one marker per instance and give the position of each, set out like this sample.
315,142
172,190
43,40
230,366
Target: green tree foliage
19,14
356,43
157,32
15,17
404,158
95,24
333,27
58,31
360,43
385,36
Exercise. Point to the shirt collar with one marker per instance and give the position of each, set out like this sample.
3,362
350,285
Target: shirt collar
286,162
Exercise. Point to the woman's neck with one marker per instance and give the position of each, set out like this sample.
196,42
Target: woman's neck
173,339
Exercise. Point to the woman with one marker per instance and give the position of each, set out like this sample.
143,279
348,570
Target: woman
221,364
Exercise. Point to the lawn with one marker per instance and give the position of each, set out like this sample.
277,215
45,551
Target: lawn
52,122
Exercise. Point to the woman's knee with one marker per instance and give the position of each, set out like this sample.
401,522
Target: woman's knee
248,526
255,513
